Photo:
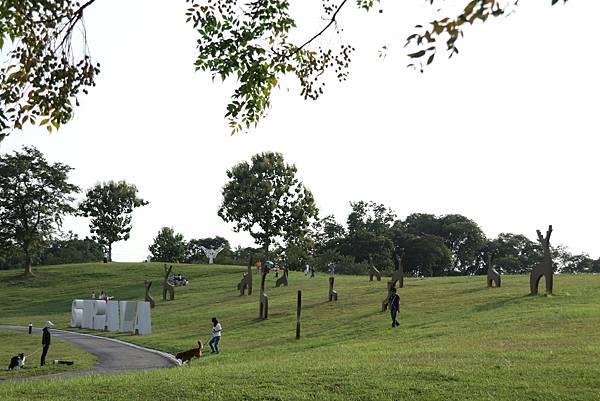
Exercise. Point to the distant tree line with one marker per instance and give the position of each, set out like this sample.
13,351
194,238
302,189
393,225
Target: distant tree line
433,245
63,249
170,246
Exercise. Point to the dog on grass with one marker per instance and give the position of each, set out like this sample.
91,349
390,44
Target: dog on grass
17,362
186,356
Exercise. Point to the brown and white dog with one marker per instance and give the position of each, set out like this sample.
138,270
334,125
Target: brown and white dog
186,356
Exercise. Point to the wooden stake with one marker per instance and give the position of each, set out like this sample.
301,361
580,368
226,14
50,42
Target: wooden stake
298,307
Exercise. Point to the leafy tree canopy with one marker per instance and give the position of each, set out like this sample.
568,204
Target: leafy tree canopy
251,41
168,246
109,206
34,197
266,199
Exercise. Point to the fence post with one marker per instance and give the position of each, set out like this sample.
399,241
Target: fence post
298,307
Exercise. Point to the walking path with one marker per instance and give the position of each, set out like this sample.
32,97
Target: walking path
113,356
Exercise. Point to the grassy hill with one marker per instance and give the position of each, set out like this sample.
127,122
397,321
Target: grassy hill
457,341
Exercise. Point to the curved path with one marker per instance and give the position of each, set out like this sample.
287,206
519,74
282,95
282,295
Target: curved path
113,356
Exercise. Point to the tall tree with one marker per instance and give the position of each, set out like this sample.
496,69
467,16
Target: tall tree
424,254
168,246
110,206
256,41
34,197
464,238
327,233
370,216
515,253
266,199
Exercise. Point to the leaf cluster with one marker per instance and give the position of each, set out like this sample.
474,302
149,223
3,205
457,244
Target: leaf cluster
47,62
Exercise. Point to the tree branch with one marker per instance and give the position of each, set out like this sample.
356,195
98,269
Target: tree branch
331,21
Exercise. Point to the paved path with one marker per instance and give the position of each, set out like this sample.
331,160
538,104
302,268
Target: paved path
113,356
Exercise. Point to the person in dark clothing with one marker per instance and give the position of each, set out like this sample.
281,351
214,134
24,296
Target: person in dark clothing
46,338
394,303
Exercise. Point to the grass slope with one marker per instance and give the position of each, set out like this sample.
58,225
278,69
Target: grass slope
11,343
457,341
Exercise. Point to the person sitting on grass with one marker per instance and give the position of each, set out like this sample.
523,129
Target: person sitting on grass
216,336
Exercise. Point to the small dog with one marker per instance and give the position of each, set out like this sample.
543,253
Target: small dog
17,362
186,356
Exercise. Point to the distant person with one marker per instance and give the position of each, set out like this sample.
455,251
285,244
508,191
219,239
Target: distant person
216,336
394,302
306,269
103,296
46,338
312,271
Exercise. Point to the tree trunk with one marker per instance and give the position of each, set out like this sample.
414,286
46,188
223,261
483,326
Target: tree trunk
28,271
110,252
266,248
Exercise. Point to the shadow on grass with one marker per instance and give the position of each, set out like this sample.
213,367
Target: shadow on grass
472,290
502,303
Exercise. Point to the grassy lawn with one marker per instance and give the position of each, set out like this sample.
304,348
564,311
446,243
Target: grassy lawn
12,343
457,341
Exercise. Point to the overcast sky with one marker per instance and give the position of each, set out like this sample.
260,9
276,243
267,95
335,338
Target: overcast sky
506,133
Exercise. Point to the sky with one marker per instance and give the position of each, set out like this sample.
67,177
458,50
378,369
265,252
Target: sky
505,133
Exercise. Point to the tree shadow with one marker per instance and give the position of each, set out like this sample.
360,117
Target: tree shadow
501,303
472,290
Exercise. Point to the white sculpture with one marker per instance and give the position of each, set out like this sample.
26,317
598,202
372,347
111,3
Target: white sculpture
127,316
87,315
211,254
99,315
143,324
112,315
76,312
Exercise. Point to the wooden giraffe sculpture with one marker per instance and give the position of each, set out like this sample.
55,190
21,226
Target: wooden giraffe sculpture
168,287
246,282
333,296
283,280
545,267
263,312
148,297
398,275
493,277
373,271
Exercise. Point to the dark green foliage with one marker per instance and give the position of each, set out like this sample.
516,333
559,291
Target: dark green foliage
71,249
462,236
424,254
515,253
266,199
34,197
168,246
109,206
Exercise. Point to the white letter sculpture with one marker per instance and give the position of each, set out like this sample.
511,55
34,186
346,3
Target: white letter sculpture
211,254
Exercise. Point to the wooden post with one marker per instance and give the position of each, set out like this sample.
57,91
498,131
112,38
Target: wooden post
298,307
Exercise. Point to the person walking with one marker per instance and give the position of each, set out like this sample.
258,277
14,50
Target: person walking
216,336
46,337
394,302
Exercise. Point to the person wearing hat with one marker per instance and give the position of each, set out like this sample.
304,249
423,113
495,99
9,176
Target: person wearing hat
394,302
46,337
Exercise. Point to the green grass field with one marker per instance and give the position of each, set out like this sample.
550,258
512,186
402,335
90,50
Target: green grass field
11,343
457,341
